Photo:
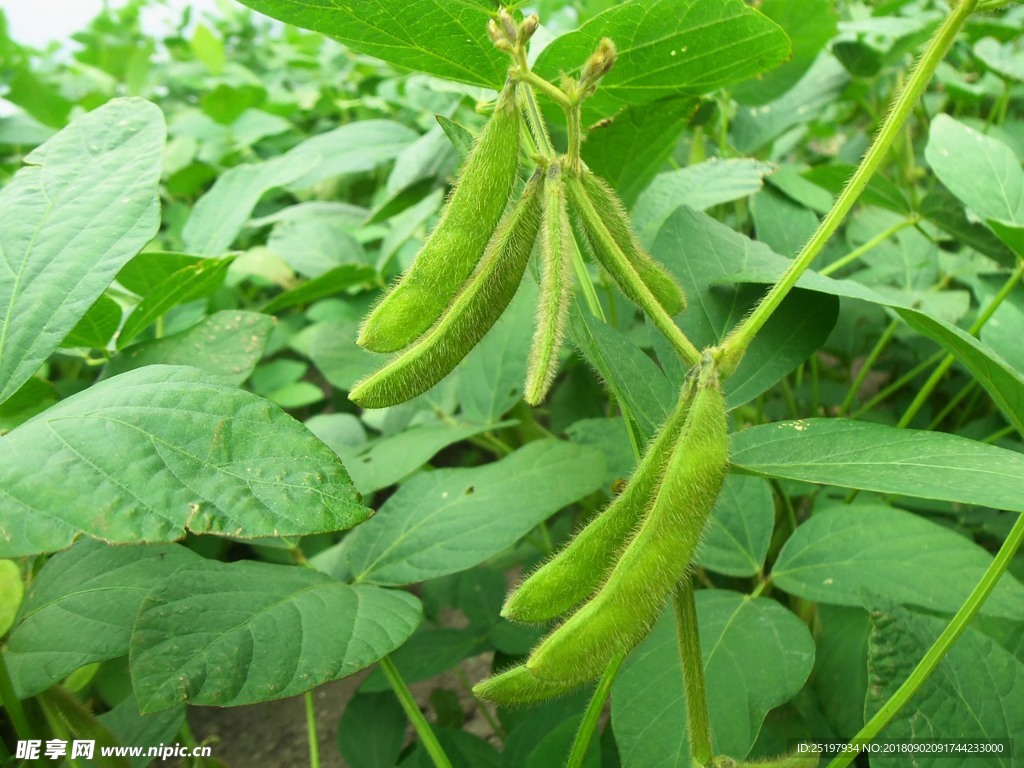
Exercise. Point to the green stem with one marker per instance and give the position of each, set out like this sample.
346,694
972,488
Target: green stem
11,702
948,360
869,246
999,434
314,741
583,278
697,720
412,711
941,646
952,404
739,339
574,121
869,362
897,385
537,125
585,734
526,75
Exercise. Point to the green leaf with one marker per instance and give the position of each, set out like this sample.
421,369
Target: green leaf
389,459
372,731
328,284
315,246
85,204
490,379
143,274
976,692
699,187
740,529
781,224
151,453
845,552
983,173
35,396
666,48
1005,60
227,344
452,519
628,148
334,352
840,665
80,609
810,25
131,727
430,36
187,284
757,655
459,136
635,379
876,457
12,590
220,214
97,326
819,88
1005,329
209,49
216,633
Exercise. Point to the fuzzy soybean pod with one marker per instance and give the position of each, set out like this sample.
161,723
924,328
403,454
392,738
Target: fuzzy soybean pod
456,244
556,283
475,309
618,617
576,572
613,213
518,687
606,249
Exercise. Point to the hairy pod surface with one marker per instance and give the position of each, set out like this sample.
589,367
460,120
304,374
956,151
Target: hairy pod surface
603,245
555,289
518,687
576,572
618,617
613,213
454,248
475,309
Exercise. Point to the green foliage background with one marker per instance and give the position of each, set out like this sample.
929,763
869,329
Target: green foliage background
192,226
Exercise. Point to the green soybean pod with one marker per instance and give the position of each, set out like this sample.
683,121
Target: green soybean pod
518,687
618,617
555,289
475,309
454,248
613,213
605,248
579,568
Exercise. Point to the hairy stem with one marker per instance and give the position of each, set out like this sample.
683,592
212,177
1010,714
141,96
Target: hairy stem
697,719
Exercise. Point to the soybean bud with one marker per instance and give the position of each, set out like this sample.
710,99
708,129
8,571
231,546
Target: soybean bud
527,28
508,24
598,65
